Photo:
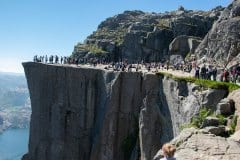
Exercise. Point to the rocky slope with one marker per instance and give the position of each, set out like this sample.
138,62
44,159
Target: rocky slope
87,113
193,144
136,36
222,44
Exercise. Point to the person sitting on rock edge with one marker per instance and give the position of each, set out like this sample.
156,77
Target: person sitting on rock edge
168,152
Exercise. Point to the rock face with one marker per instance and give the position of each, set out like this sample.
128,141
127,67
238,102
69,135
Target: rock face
206,146
87,113
236,136
210,121
225,107
183,46
234,96
136,35
222,44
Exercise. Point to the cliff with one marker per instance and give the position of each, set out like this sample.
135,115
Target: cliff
89,113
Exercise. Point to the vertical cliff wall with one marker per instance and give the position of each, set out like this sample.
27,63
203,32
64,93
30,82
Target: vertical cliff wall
89,114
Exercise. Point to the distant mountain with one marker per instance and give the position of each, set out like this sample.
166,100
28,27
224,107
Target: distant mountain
15,107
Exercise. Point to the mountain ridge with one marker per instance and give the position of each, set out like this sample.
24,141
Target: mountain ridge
136,35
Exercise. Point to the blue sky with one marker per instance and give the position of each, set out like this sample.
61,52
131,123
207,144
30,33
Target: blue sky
29,27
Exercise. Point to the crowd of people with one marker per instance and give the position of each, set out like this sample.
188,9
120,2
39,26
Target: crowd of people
209,72
55,59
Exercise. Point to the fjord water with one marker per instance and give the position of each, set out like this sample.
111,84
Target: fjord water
13,144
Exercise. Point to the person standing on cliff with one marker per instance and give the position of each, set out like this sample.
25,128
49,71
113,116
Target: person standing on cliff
46,59
214,73
168,152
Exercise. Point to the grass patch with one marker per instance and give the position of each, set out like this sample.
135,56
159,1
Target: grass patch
221,119
183,126
197,121
202,82
233,124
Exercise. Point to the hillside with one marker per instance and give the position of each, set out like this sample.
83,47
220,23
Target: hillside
136,35
222,44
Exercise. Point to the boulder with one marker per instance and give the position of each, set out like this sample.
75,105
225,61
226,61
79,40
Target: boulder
210,121
192,144
212,97
218,131
183,45
225,107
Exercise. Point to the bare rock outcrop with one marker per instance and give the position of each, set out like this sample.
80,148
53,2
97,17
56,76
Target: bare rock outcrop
208,146
222,43
136,35
236,136
192,144
182,46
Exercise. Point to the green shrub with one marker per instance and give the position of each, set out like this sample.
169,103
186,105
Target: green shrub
197,121
233,124
221,119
